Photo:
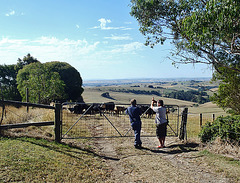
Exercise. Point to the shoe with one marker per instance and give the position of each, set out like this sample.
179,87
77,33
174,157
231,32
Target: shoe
161,146
138,146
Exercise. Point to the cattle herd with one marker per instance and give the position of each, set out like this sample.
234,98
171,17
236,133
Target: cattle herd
106,108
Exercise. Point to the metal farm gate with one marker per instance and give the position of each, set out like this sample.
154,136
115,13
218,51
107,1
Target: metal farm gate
106,120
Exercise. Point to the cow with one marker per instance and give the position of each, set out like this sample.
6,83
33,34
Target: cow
108,107
147,111
80,108
119,110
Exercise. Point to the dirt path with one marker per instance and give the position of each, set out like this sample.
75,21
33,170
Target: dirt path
178,162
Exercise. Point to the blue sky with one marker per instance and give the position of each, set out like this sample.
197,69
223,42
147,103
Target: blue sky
97,37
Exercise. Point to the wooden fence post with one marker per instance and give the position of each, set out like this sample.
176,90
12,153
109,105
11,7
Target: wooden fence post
213,117
200,120
27,98
57,122
183,128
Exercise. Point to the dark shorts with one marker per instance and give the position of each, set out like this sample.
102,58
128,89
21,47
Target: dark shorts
161,130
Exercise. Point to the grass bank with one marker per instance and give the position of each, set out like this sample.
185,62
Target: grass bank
38,160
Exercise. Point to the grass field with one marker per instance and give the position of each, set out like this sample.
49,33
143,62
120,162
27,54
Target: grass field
34,159
38,160
208,110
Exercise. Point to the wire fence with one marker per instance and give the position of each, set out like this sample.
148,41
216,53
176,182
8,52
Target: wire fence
106,124
16,114
197,120
113,123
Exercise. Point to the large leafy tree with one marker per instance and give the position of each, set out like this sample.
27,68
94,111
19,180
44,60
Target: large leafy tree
28,59
8,75
71,77
42,83
8,83
203,31
228,94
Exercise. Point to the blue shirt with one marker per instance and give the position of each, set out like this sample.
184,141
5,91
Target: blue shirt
134,113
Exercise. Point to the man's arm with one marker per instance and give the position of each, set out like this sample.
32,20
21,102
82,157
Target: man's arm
152,103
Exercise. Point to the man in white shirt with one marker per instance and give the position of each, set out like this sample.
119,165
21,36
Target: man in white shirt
161,121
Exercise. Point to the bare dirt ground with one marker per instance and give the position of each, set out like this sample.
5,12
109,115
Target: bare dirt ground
178,162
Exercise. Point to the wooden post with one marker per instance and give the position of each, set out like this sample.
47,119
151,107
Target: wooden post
27,98
57,123
200,120
213,117
183,128
39,98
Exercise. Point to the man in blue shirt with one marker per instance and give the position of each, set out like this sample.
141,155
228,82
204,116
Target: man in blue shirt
134,113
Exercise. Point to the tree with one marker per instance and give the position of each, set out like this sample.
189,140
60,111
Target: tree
28,59
228,94
71,77
8,75
8,82
42,83
202,30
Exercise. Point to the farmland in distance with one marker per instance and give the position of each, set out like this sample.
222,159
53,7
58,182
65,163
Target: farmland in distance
122,91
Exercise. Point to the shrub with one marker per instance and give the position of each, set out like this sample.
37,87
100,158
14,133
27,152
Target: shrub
227,128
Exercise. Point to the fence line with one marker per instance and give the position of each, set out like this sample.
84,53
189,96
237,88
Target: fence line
56,122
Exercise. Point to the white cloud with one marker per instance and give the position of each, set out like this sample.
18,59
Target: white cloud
11,13
130,48
45,49
81,54
119,38
77,26
103,25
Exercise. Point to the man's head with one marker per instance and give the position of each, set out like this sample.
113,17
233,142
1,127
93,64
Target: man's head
133,102
160,102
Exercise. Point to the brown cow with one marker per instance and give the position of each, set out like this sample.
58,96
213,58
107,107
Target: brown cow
119,110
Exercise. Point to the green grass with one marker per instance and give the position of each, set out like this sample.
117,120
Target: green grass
38,160
227,166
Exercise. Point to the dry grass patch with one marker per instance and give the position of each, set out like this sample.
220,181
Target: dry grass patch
228,167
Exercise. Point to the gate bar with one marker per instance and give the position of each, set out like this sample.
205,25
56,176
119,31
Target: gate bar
78,120
111,123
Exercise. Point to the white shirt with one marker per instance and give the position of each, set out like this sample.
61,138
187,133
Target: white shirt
160,114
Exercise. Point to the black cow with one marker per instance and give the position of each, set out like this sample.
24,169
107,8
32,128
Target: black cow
80,108
108,107
147,111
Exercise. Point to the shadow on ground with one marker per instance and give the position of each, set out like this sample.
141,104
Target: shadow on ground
174,149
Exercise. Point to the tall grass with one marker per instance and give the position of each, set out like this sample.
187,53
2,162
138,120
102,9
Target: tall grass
194,123
14,115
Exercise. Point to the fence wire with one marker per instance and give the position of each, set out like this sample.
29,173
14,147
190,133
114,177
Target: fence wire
112,124
19,115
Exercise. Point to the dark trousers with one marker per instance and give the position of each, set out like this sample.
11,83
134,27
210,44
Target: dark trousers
136,126
161,130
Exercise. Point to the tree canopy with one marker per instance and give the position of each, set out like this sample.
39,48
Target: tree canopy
70,76
203,31
44,85
8,83
51,81
28,59
228,94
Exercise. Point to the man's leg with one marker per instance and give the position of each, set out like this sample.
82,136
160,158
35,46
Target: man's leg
137,132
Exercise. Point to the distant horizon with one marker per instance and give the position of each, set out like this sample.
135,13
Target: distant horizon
154,78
